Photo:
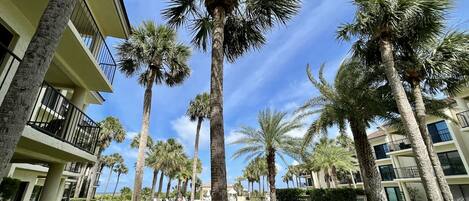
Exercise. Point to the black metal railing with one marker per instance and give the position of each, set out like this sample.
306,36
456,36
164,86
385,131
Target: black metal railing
463,118
407,172
399,145
7,60
92,37
74,167
54,115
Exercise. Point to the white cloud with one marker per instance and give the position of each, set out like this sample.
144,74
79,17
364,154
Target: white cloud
233,136
295,162
186,129
131,135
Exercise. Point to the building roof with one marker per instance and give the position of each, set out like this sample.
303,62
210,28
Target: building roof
376,134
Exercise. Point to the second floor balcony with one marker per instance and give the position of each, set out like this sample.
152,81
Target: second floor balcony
463,118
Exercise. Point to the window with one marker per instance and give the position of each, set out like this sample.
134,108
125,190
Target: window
393,194
381,150
5,40
387,172
460,192
36,193
439,132
451,163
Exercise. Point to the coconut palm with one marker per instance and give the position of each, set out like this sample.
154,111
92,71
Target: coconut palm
121,168
199,109
111,161
384,23
17,103
111,131
153,54
351,99
233,27
269,140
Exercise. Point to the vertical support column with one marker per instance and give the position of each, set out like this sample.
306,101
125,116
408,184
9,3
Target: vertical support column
52,183
61,190
78,97
316,180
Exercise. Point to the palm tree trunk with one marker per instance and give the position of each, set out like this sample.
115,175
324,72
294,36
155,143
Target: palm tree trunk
143,136
312,180
108,178
421,118
18,102
288,186
260,187
196,155
217,133
334,176
94,176
117,183
327,177
371,178
179,195
168,187
271,169
160,185
410,123
153,184
184,190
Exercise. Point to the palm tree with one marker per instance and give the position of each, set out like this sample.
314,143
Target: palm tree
199,109
385,23
154,160
351,99
153,54
269,140
170,156
234,27
136,142
112,160
120,169
111,131
17,103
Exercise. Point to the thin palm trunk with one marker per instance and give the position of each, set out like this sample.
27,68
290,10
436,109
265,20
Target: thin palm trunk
143,136
160,185
421,118
334,176
108,178
153,183
196,155
371,178
179,195
288,186
410,123
184,190
272,172
117,183
18,102
168,187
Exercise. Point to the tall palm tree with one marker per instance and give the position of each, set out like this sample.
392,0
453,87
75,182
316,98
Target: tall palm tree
269,140
18,104
233,27
112,160
385,22
153,54
199,109
351,99
111,131
121,168
154,160
171,153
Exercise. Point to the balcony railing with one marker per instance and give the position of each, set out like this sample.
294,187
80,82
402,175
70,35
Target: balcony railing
73,167
398,145
7,60
86,25
54,115
463,118
407,172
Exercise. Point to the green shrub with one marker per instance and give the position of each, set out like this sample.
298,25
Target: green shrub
338,194
292,194
8,187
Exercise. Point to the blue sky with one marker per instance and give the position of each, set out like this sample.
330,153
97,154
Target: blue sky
272,77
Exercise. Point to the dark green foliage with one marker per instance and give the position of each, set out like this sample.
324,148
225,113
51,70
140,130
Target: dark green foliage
339,194
291,194
8,187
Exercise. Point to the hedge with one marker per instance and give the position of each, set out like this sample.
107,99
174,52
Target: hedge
338,194
8,187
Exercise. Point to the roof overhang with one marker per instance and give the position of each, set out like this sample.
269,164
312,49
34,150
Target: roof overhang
111,17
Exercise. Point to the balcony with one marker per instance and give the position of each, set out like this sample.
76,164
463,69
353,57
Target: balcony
93,39
55,116
407,172
463,118
398,145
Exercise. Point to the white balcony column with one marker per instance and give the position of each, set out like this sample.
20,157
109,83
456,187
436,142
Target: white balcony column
403,188
79,97
52,182
462,104
316,182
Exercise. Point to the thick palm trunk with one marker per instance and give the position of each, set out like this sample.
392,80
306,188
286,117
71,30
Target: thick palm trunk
117,183
168,187
143,136
410,123
18,102
421,118
272,172
371,178
94,177
217,133
153,183
196,155
160,185
108,178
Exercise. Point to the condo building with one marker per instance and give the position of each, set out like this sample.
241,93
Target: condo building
396,162
58,144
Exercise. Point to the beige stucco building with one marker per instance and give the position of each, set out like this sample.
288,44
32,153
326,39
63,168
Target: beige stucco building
59,137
